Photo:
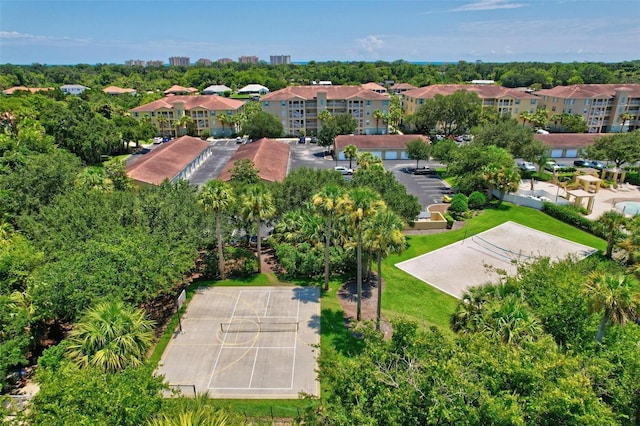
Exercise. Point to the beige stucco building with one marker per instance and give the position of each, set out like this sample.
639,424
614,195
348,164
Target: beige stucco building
601,105
206,112
298,107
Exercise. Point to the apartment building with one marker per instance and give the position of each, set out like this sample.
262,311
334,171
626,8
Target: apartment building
604,107
299,107
203,62
134,63
155,63
280,59
179,61
248,59
213,115
506,101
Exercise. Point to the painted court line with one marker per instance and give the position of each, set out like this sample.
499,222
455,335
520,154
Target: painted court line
224,345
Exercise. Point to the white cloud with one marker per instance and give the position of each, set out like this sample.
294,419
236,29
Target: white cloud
487,5
370,43
14,37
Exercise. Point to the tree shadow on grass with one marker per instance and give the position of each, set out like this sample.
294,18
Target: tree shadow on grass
333,326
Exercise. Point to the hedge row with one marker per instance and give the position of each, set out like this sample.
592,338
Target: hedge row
568,214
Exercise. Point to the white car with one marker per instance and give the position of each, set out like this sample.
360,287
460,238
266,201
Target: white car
526,166
343,170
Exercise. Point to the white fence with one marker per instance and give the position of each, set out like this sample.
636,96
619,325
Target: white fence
531,199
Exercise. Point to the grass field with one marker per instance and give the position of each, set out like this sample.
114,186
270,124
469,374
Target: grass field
405,296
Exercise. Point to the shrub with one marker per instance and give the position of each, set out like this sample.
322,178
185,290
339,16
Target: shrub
239,261
568,214
633,178
477,200
450,220
459,205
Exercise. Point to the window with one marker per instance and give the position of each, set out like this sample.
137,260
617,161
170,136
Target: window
385,103
553,108
368,103
586,101
283,103
555,100
213,113
517,101
153,114
533,101
266,104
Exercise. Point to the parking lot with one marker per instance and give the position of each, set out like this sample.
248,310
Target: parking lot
427,188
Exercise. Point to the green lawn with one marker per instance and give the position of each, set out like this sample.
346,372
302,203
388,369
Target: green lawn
405,296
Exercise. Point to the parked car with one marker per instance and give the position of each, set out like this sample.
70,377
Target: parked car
423,171
314,140
343,170
552,166
526,166
238,139
302,139
157,140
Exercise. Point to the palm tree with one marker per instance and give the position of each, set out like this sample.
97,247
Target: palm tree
624,117
324,115
195,412
350,152
257,204
162,123
525,116
617,295
367,160
111,337
377,114
325,203
382,236
223,119
183,122
356,206
216,196
610,225
504,179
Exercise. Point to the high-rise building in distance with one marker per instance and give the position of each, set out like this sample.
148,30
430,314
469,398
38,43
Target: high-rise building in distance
179,61
280,59
248,59
156,63
134,62
203,62
225,60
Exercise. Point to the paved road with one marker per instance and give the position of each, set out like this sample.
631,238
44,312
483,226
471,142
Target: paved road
223,150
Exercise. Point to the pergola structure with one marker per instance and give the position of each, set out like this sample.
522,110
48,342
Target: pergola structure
614,175
578,196
589,183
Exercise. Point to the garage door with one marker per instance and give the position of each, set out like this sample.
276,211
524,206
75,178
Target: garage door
391,155
404,156
572,153
341,156
556,153
377,154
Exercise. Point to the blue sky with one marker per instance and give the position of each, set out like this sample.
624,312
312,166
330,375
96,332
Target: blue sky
105,31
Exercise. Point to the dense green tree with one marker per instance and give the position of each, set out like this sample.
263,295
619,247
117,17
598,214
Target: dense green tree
262,125
504,179
245,172
454,114
507,134
444,151
620,148
417,149
300,185
472,158
110,337
72,396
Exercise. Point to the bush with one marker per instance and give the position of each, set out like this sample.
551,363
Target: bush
239,261
633,178
568,214
477,200
459,205
450,220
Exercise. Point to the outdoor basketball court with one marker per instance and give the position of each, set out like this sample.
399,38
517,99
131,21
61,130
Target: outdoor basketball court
247,342
478,258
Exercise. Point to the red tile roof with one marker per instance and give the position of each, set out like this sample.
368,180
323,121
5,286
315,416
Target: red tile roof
403,86
375,87
270,157
589,91
333,92
211,103
568,140
370,142
115,90
167,160
484,91
175,89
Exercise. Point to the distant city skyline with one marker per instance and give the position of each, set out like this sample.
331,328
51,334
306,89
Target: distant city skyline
87,31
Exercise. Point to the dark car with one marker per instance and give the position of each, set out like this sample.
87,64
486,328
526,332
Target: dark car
314,140
582,163
424,171
302,139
